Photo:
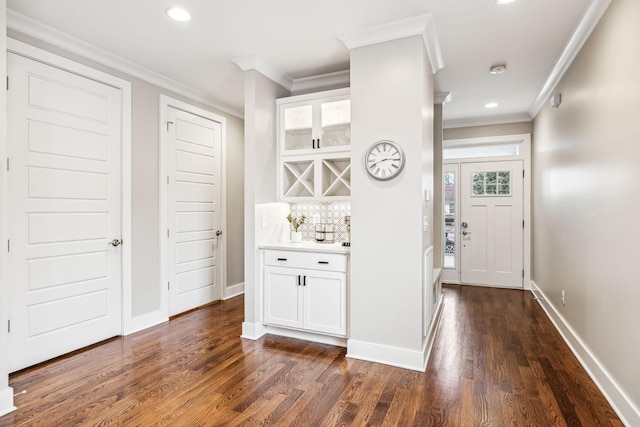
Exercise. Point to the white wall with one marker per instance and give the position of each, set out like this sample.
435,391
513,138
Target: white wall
6,392
391,98
586,157
260,96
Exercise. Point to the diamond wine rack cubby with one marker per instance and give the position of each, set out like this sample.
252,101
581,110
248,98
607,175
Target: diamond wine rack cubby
336,177
298,178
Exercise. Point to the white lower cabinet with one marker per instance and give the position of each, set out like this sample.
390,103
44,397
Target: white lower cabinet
306,299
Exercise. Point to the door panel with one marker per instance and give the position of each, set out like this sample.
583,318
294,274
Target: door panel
64,207
491,199
325,302
194,203
282,297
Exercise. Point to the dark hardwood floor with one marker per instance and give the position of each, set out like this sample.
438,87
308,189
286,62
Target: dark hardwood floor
497,361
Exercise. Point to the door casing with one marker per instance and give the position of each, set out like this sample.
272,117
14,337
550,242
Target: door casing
164,104
524,142
40,55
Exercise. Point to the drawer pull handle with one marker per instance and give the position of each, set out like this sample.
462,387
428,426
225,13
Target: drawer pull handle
304,283
298,280
281,259
323,262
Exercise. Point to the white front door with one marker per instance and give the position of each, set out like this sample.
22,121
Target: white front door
194,203
64,140
491,223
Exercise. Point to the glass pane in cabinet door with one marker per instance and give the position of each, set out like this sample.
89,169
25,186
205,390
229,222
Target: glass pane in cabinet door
336,123
298,122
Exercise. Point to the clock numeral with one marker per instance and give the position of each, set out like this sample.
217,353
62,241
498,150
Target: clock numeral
394,165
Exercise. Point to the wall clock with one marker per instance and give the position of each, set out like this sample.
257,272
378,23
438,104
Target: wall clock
384,160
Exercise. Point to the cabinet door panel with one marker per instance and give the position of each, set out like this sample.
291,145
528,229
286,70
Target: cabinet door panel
282,297
325,302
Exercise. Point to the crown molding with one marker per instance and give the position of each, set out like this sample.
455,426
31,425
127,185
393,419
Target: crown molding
338,78
30,27
486,121
594,13
254,62
441,98
421,25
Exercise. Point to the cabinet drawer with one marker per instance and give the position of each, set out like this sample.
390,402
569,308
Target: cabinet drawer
306,260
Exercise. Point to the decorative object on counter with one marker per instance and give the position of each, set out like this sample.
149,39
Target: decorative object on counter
296,223
347,221
325,233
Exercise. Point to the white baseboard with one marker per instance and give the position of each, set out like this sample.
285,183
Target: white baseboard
136,324
233,291
387,355
621,403
6,401
308,336
252,331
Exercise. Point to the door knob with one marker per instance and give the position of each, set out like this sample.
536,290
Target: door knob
465,232
218,233
115,242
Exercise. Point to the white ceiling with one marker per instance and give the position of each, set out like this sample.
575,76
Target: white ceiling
298,37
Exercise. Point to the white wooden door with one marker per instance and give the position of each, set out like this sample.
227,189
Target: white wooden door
491,223
283,296
64,139
325,302
194,203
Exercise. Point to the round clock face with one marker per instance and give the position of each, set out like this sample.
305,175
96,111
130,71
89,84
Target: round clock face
384,160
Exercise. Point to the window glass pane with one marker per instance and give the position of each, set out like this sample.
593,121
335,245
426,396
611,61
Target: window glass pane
449,187
491,183
498,150
478,183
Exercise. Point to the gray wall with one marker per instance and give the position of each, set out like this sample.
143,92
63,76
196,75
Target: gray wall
586,157
488,130
144,159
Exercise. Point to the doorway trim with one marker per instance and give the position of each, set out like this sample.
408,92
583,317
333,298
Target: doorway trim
524,141
164,104
43,56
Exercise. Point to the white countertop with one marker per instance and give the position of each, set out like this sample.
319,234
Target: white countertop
308,246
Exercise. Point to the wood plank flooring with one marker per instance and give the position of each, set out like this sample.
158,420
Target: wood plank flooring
497,361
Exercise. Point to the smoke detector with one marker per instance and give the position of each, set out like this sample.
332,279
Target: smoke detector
498,69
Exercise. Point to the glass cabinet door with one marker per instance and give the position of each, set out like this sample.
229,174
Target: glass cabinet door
336,123
298,127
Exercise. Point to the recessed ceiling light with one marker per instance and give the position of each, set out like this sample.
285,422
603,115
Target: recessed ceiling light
498,69
491,105
504,1
178,14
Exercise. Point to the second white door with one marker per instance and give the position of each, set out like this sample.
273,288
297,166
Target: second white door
491,224
194,204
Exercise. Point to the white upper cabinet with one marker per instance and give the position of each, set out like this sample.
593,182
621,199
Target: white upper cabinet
315,122
314,144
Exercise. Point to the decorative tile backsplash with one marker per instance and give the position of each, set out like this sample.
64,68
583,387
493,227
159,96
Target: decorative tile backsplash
326,213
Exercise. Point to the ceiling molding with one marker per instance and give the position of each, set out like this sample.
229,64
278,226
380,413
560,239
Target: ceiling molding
254,62
594,13
338,78
421,25
486,121
441,98
30,27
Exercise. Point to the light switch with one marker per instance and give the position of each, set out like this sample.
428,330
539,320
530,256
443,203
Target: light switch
425,223
264,221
